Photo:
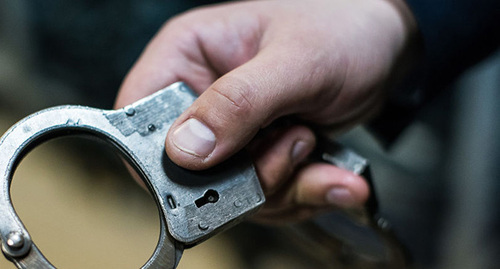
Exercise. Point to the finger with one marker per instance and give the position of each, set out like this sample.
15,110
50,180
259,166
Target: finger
327,185
316,188
172,55
233,109
196,47
276,155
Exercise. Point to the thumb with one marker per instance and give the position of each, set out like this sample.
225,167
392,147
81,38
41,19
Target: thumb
231,111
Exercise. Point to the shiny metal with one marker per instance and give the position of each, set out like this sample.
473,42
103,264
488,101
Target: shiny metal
15,240
356,238
138,132
192,205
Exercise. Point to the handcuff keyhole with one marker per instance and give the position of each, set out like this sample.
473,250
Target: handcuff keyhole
210,197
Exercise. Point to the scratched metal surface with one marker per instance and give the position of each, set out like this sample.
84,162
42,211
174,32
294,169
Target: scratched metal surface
86,214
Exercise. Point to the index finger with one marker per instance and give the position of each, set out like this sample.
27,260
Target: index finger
172,55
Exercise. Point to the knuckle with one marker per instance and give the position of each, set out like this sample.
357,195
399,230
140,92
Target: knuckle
237,99
185,28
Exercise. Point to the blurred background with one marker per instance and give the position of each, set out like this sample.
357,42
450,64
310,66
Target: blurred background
438,184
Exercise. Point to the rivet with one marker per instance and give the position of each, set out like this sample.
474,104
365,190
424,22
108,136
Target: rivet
15,240
130,111
203,226
151,127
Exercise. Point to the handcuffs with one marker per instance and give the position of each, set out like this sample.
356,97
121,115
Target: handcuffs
193,205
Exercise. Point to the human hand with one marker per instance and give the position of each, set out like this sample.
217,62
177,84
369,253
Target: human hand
325,62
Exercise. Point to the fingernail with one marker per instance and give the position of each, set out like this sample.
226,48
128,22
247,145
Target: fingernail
300,151
340,197
194,138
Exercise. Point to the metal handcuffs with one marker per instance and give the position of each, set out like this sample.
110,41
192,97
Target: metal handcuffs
193,206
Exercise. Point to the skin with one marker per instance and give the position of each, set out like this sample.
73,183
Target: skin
326,63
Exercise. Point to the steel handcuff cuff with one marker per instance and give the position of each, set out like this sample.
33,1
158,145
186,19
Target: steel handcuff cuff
193,206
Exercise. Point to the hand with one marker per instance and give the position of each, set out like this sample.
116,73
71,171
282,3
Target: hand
325,62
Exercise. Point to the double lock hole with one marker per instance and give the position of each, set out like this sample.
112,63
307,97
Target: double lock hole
210,197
